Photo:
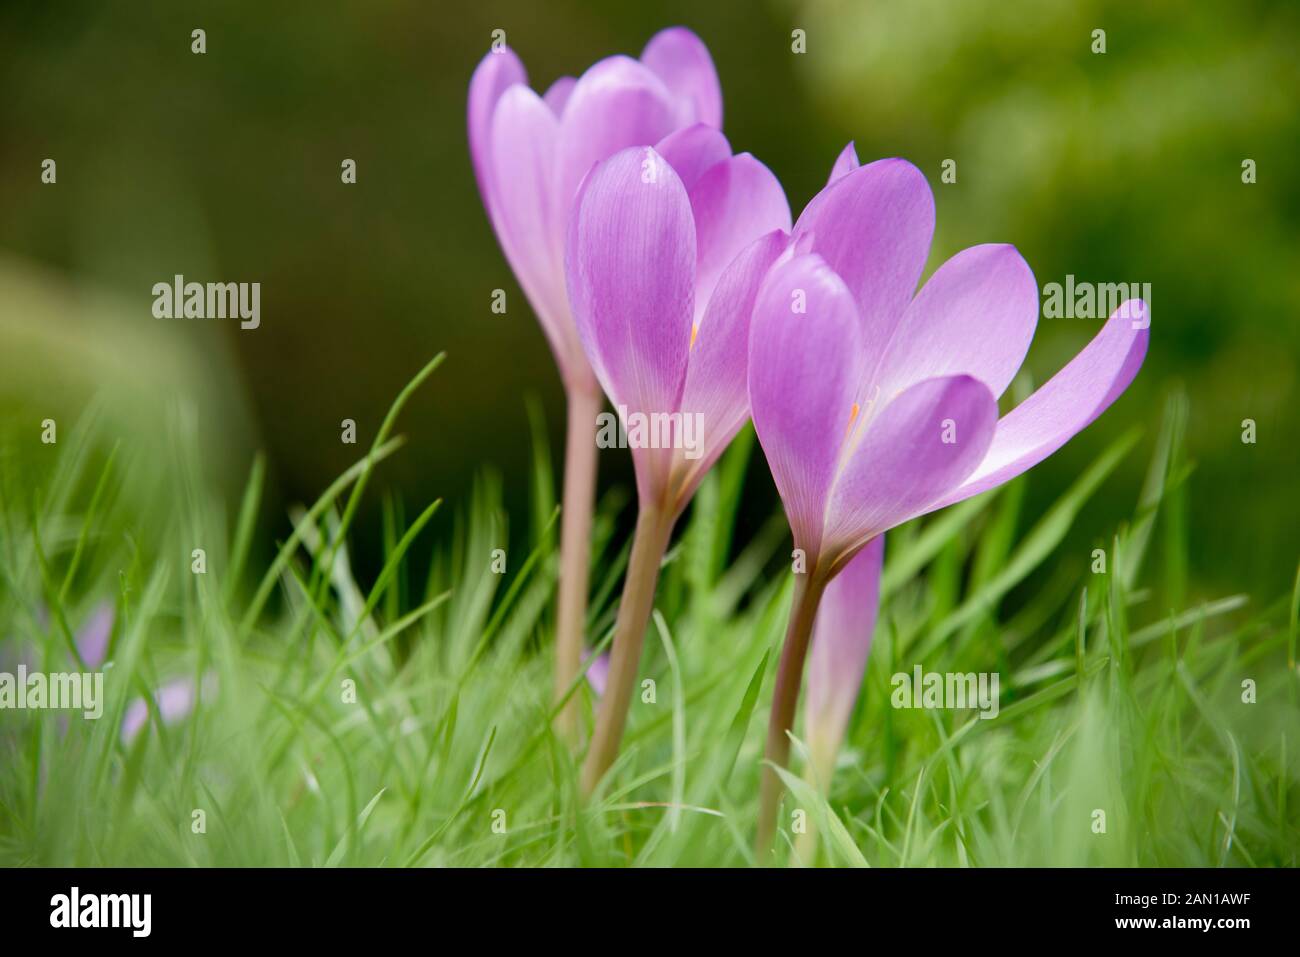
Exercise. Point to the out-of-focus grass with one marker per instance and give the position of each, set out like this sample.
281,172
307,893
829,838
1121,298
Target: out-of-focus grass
1112,699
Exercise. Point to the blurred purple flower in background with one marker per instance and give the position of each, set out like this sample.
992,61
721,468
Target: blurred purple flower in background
92,638
175,700
598,672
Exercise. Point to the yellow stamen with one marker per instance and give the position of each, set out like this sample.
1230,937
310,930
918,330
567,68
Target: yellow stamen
853,415
695,331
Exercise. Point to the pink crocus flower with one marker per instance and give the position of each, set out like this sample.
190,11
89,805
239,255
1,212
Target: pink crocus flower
664,262
530,153
875,404
667,249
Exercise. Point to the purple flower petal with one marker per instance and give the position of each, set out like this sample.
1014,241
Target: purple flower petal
598,673
631,276
873,227
734,203
916,449
496,72
557,94
717,372
174,700
841,642
692,150
845,164
806,363
531,229
617,103
92,638
975,316
1066,404
682,61
529,169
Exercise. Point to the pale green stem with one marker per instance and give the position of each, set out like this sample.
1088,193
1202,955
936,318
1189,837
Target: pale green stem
654,528
808,589
575,549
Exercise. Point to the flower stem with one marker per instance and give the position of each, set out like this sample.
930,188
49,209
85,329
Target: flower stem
654,528
808,590
575,549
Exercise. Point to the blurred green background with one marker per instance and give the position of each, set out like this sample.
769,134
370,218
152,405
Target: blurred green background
1115,167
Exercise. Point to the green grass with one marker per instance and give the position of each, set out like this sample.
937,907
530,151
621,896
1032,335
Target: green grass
1114,697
